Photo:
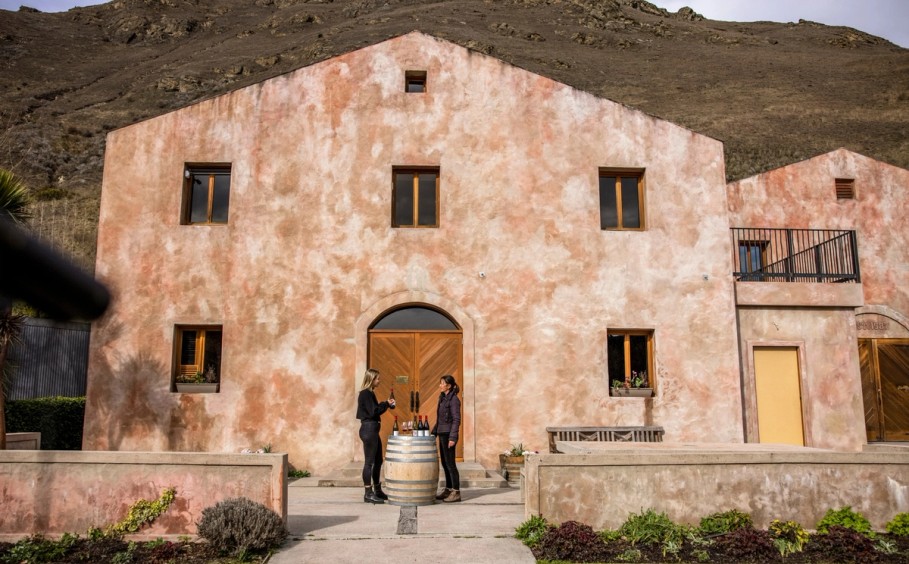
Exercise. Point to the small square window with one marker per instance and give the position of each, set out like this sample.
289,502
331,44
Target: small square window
845,188
415,197
629,358
621,199
197,358
414,81
206,194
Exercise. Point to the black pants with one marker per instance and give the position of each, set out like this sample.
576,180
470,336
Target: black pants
447,453
372,452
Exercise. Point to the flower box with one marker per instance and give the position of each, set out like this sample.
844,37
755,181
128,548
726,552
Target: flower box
197,387
631,392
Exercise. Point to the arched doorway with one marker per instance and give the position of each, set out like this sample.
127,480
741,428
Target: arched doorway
412,347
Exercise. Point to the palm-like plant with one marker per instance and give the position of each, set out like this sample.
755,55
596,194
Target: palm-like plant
14,207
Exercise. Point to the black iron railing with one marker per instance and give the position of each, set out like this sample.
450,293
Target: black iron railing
795,255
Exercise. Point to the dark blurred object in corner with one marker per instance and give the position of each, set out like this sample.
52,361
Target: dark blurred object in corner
37,274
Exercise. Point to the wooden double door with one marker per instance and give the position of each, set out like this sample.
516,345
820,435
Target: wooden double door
885,388
413,362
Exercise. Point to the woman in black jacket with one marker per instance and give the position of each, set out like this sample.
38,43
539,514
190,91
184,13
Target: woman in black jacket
369,412
448,421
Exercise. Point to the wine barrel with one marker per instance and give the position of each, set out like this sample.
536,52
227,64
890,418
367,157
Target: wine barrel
411,470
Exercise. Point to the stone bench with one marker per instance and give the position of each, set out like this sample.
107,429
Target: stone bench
651,434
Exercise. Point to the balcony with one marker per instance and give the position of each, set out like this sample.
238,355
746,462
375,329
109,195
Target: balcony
795,255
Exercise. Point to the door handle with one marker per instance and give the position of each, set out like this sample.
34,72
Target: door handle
411,400
418,402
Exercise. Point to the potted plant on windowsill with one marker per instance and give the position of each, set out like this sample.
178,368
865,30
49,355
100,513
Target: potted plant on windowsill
198,383
635,386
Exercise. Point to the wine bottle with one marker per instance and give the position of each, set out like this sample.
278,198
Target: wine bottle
416,426
391,394
394,428
425,425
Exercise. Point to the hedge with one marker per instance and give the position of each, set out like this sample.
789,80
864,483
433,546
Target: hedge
58,419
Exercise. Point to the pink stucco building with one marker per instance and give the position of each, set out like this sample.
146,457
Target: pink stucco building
425,209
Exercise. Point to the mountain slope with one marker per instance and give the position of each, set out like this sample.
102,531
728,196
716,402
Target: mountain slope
773,92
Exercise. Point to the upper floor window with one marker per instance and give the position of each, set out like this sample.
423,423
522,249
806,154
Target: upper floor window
415,201
621,199
414,81
206,194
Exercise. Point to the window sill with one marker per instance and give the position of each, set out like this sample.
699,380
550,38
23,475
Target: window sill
190,388
631,392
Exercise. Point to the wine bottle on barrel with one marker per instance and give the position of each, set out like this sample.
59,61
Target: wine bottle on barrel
394,428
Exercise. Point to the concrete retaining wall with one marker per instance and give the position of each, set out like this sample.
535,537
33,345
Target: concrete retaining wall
601,488
52,492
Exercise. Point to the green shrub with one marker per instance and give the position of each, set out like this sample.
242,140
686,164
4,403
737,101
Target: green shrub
725,522
650,527
899,525
142,513
788,536
532,530
239,526
39,549
58,419
845,517
294,473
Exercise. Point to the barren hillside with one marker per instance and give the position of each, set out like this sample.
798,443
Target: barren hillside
773,92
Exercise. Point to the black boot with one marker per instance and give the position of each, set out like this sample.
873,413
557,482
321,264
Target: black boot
370,497
379,493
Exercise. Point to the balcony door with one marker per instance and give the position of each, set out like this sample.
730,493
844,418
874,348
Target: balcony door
885,388
413,348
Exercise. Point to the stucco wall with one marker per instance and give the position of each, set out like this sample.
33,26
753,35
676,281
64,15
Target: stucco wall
831,390
802,195
602,488
309,249
54,492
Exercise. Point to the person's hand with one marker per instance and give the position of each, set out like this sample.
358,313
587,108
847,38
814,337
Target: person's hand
391,402
450,444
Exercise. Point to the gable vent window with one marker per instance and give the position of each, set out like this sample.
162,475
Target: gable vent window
414,81
845,188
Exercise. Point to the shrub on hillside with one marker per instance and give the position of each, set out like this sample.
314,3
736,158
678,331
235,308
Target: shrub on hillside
239,526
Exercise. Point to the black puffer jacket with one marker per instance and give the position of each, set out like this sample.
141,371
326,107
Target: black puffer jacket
448,416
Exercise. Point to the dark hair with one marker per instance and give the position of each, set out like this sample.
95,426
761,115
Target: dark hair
449,379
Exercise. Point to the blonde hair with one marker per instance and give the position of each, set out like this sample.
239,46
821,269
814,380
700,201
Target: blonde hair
369,378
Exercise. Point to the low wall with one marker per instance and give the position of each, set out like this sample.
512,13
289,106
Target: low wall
52,492
23,441
603,483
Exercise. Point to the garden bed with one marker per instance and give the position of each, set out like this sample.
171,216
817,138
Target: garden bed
102,551
842,536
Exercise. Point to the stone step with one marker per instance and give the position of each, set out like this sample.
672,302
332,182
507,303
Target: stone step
472,474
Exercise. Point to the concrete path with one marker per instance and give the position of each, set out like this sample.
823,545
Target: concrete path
333,525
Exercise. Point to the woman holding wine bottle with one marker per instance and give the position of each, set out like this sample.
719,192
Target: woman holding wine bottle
448,421
369,412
